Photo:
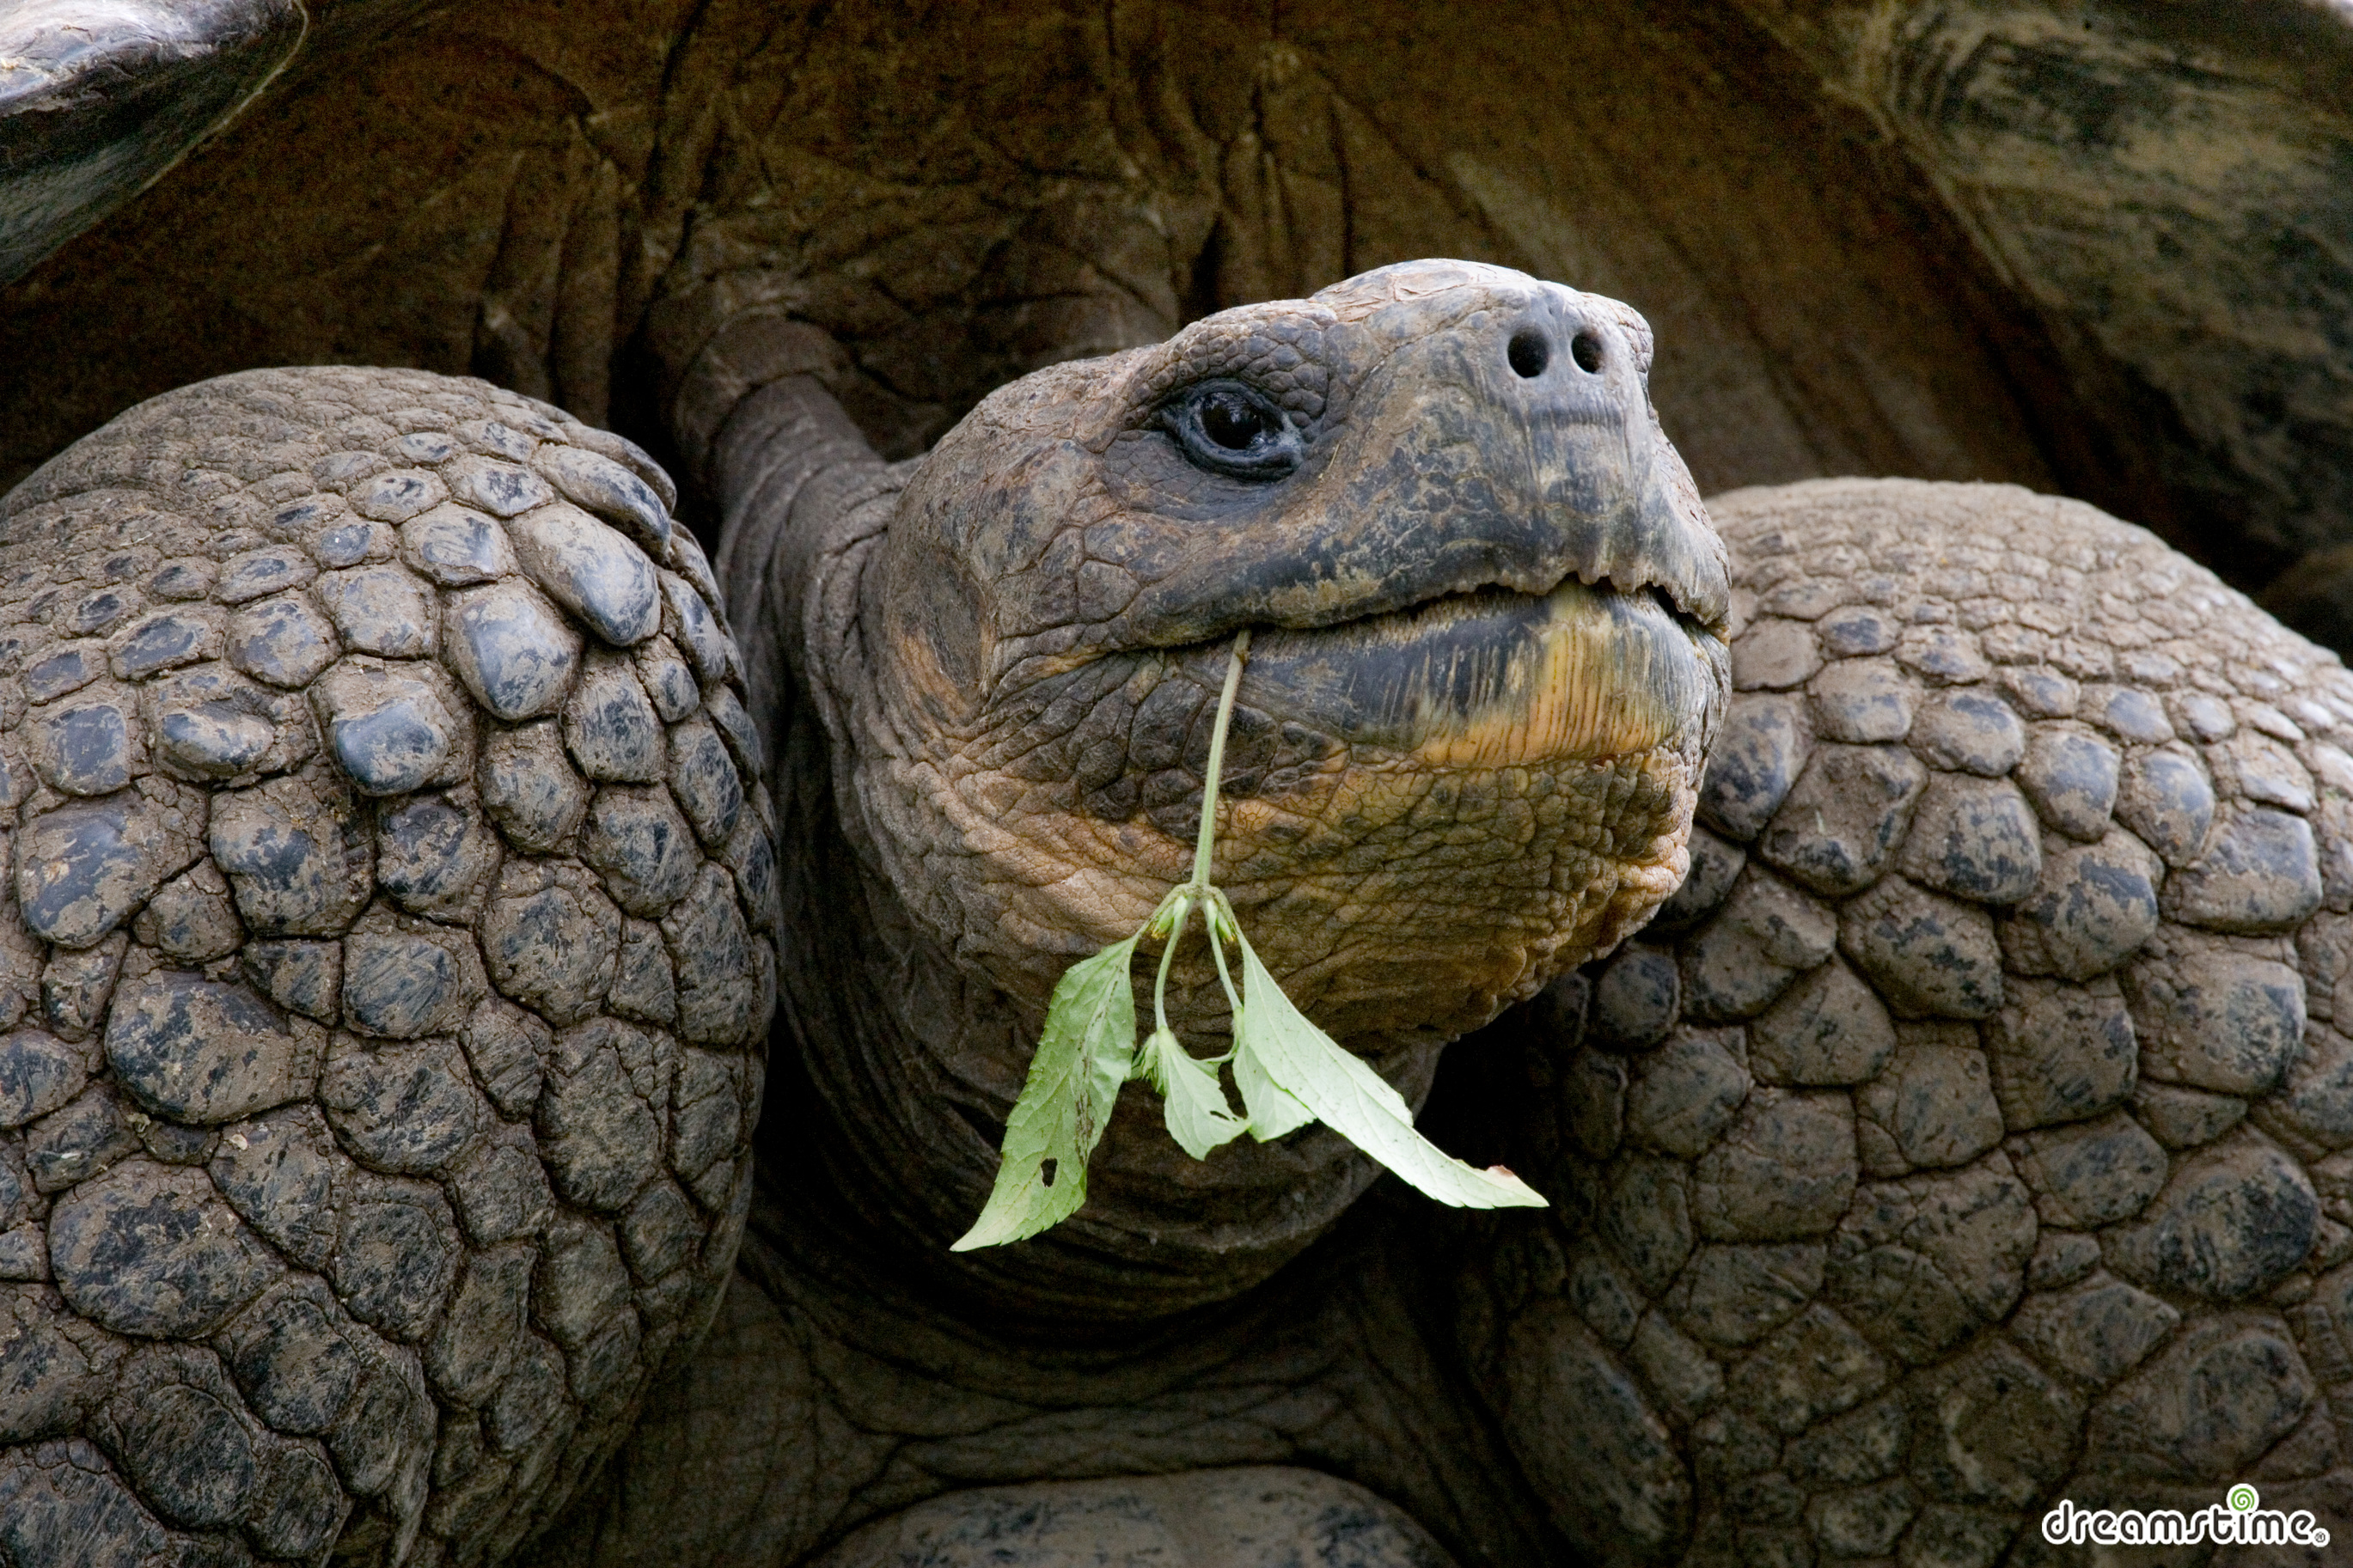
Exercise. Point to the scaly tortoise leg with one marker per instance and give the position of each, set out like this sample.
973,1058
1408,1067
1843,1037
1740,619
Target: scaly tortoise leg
387,968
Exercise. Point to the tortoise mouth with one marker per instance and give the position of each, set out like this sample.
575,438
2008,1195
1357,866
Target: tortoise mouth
1496,678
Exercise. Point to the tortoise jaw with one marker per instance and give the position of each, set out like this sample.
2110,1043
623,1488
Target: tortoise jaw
1496,678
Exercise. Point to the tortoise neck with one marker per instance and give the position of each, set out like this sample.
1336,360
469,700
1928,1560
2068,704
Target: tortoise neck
778,469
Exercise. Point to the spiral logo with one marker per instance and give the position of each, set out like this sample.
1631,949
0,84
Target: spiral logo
2242,1499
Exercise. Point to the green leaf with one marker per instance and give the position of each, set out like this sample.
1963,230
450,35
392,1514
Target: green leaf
1272,1111
1086,1051
1194,1102
1351,1099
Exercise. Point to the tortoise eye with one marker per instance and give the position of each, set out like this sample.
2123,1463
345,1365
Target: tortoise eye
1232,429
1228,419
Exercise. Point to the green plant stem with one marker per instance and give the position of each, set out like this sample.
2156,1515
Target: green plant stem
1218,951
1209,831
1168,957
1199,890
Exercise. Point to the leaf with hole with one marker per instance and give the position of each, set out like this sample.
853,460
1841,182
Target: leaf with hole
1085,1052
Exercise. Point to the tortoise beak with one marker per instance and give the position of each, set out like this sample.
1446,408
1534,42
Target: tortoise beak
1498,678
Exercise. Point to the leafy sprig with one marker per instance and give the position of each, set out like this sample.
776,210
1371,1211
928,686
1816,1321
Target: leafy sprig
1289,1071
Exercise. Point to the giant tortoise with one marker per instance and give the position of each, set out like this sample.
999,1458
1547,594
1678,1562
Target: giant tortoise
496,1060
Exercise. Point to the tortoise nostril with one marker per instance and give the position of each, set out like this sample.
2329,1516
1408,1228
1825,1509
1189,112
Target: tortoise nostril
1529,354
1586,350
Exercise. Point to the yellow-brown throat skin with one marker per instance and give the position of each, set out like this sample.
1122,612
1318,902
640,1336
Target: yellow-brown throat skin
1488,618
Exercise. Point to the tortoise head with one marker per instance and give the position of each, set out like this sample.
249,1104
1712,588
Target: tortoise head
1488,618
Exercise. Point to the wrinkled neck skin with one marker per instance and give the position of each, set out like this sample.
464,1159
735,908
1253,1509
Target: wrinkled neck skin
887,1153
